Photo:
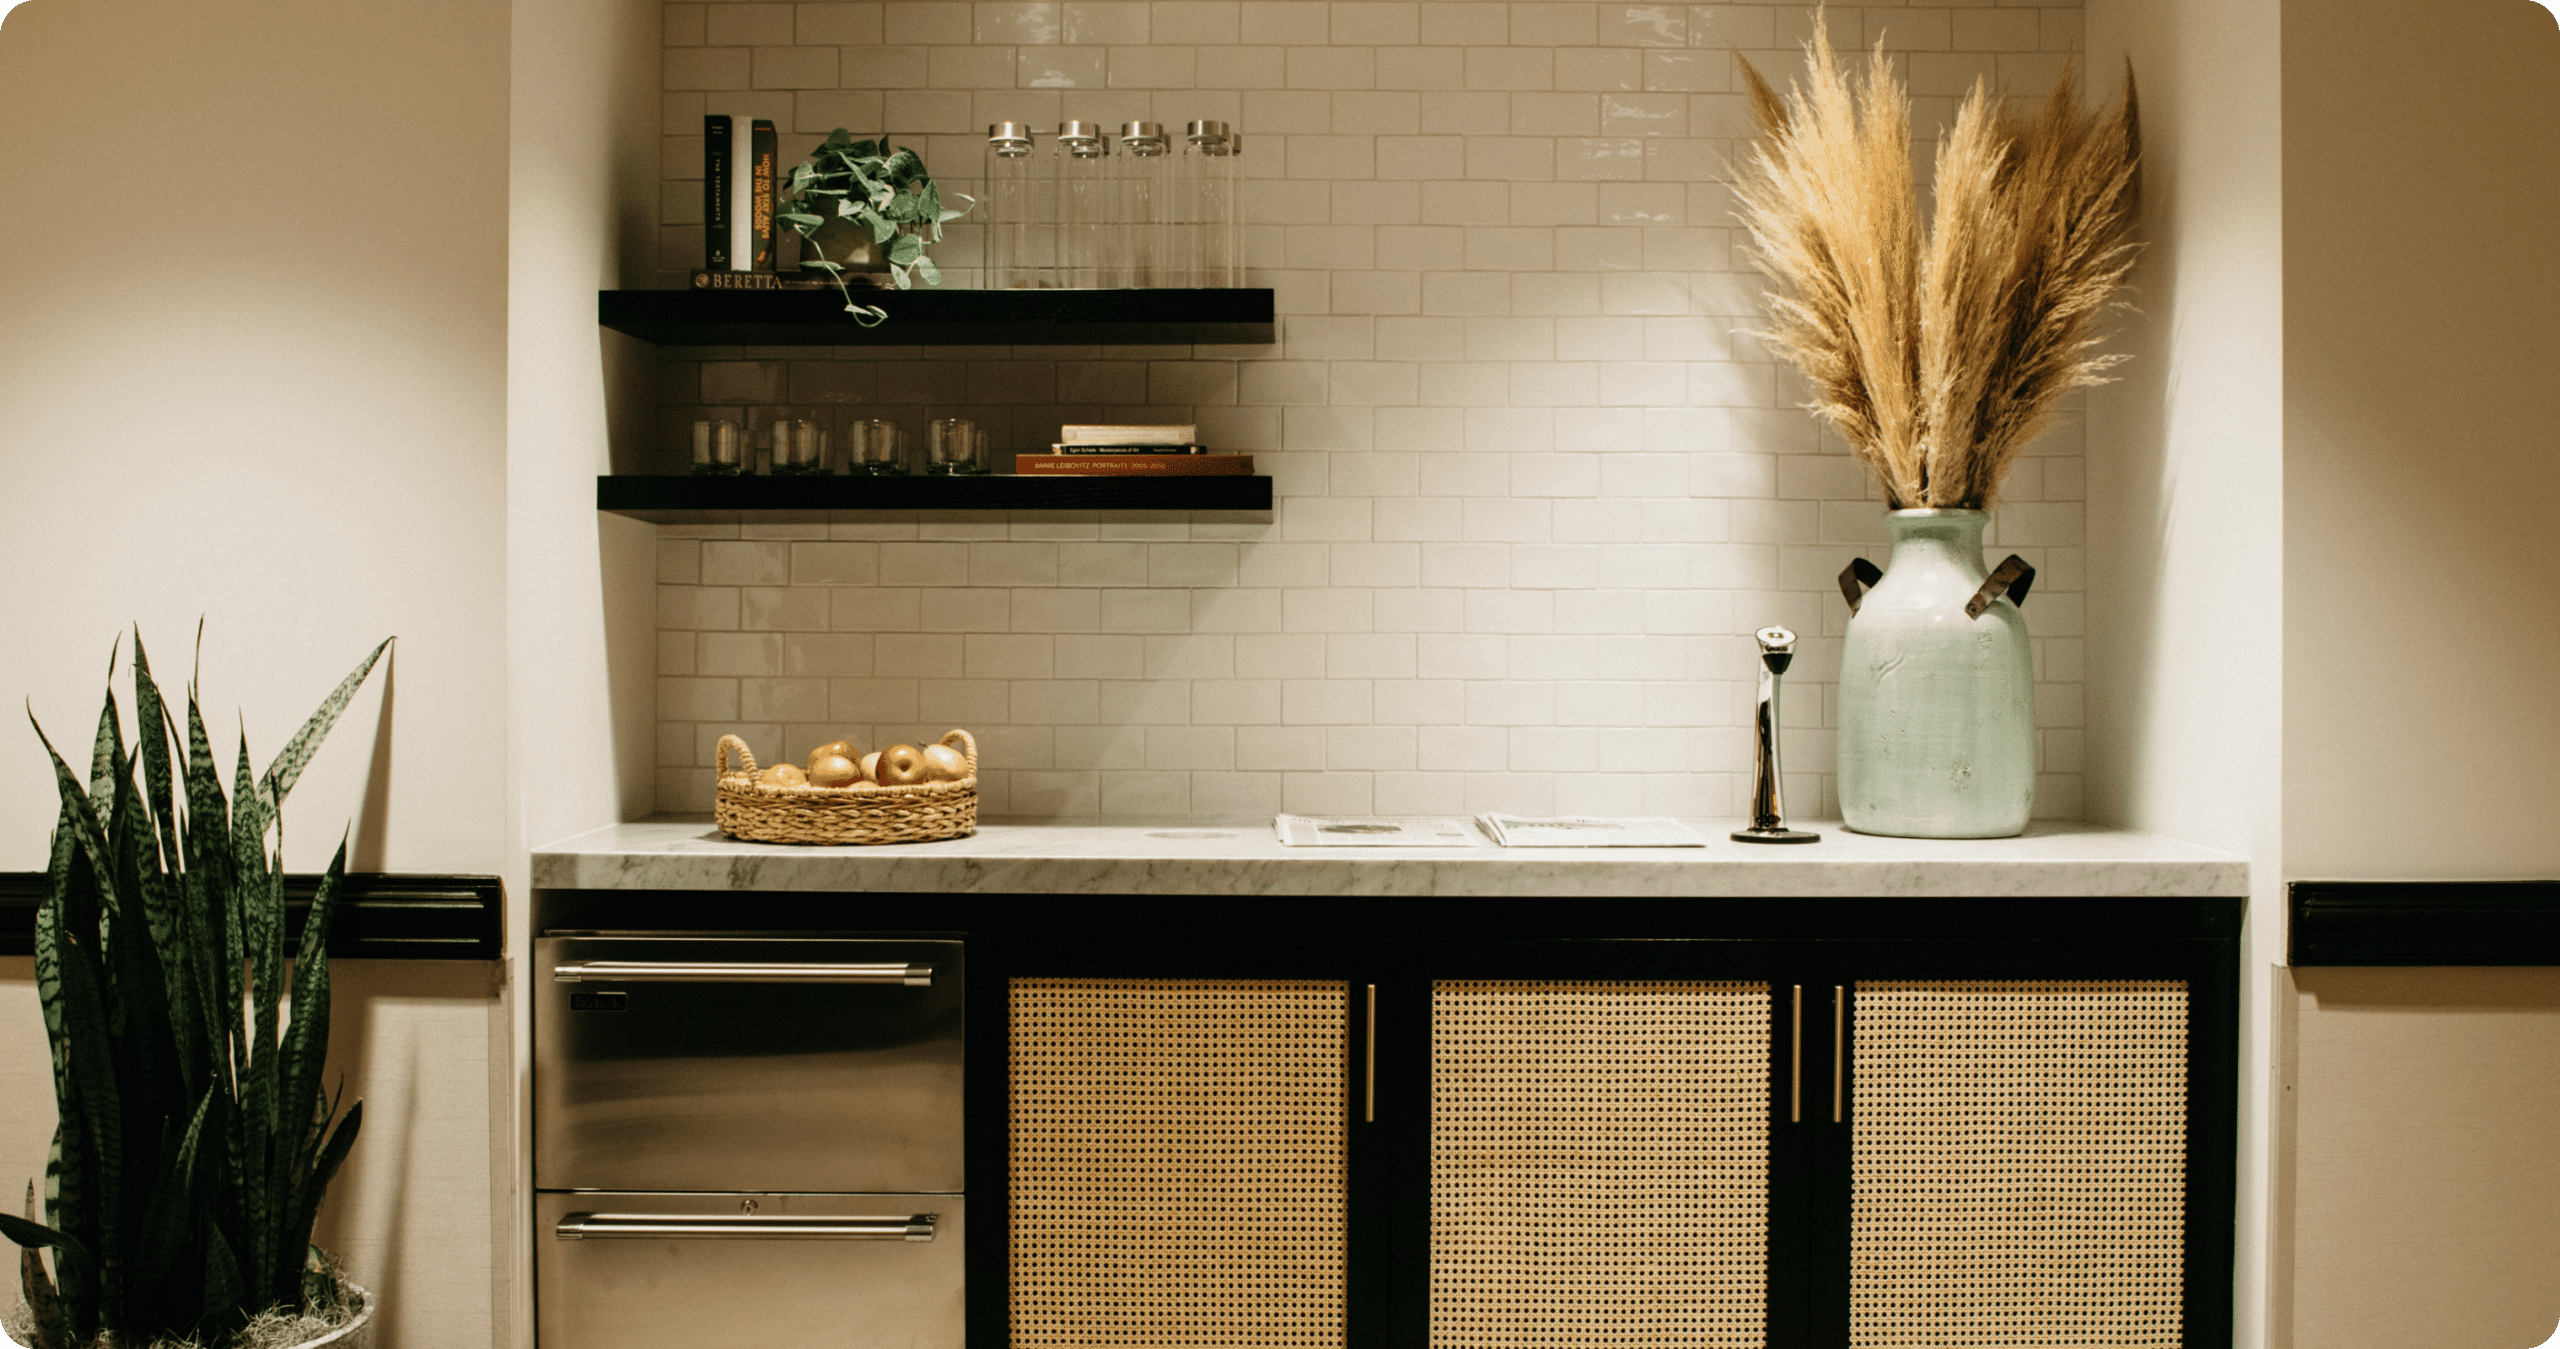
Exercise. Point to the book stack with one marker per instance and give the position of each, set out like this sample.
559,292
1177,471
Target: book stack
741,194
1131,452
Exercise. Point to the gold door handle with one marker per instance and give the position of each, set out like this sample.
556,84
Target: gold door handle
1795,1067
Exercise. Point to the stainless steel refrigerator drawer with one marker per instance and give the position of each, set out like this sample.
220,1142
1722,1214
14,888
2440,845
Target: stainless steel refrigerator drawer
639,1271
717,1064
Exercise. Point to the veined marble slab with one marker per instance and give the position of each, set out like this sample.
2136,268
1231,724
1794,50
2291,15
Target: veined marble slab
1187,857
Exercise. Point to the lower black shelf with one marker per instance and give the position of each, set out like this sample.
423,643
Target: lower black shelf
381,915
707,500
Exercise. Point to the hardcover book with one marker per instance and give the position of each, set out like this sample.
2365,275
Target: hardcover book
724,279
761,186
715,192
1168,434
1132,465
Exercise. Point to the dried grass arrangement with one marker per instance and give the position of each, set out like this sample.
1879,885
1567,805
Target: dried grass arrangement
1937,354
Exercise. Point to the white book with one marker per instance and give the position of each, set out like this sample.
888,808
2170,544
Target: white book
1372,831
1187,433
1589,831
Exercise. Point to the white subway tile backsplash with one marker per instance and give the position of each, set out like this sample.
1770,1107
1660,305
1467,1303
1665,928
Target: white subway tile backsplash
1536,480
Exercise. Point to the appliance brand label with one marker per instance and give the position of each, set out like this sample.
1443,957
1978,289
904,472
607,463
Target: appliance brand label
596,1002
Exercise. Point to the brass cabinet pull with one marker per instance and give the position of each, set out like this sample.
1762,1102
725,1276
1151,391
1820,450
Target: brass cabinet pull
1795,1075
1839,1035
739,972
1369,1061
585,1226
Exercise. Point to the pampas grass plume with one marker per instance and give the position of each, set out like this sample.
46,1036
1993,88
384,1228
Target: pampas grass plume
1936,354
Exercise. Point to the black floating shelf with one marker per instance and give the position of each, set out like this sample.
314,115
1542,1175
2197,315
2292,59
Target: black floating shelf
2423,923
816,318
381,915
709,500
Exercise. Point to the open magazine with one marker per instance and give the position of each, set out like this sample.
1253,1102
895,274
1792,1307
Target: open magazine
1589,831
1373,831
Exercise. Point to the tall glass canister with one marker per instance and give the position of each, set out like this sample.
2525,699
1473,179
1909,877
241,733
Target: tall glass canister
1011,210
1147,170
1208,194
1084,201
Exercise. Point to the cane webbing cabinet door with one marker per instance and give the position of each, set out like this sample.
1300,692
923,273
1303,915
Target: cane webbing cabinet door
1178,1163
2018,1167
1599,1169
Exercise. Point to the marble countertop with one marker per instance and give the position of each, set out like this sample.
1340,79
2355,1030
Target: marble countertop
1188,857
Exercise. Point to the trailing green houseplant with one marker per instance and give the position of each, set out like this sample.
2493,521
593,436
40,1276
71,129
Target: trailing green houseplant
871,201
195,1137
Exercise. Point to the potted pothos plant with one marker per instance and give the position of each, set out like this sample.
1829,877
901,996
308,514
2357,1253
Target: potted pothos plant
195,1133
865,208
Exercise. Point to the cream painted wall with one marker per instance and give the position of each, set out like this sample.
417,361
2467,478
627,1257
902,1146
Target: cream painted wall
2422,438
252,371
253,263
581,586
2186,595
2426,1160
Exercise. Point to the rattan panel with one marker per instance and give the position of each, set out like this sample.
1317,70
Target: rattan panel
1178,1163
1599,1165
2019,1164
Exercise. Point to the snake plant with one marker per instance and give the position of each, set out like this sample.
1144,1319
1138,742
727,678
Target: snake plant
195,1136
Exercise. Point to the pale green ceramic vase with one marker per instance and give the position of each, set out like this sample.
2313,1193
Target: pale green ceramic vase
1937,710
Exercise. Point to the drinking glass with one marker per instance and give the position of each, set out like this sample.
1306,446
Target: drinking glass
955,445
874,447
719,448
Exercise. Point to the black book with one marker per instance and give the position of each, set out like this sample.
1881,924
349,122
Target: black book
715,192
764,194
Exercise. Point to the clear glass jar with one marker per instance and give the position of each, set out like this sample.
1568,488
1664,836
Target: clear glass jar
1083,160
719,448
1208,173
1147,170
1010,209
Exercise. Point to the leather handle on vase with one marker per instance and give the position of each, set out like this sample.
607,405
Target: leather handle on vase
1856,579
2012,577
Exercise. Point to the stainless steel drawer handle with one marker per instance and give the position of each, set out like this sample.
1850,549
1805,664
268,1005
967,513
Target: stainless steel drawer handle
581,1226
739,972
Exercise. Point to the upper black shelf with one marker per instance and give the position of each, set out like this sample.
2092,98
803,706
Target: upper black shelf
691,500
816,318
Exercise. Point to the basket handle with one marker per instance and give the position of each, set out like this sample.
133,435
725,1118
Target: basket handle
966,743
720,757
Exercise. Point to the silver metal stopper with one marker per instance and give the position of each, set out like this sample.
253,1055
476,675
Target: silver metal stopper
1010,138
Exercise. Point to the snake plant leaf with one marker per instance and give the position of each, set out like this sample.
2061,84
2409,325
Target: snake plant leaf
286,769
34,1234
102,750
324,1169
306,1040
44,1301
80,811
66,1209
222,1290
172,1220
153,731
100,1104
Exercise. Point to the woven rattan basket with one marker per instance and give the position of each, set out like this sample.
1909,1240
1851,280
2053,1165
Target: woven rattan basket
865,812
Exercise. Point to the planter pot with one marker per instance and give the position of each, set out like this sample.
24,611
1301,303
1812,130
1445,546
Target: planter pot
1937,709
355,1334
848,243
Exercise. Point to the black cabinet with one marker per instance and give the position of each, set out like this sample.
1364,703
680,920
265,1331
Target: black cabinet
1635,1123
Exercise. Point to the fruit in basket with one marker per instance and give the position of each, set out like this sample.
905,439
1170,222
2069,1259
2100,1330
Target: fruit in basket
782,775
942,763
835,770
869,769
901,766
835,749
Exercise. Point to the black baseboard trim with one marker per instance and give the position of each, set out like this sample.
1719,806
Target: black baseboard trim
2423,922
381,915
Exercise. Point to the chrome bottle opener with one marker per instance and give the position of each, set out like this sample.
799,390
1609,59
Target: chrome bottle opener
1768,808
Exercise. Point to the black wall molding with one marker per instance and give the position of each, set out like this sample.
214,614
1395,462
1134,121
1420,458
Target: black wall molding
381,915
2423,922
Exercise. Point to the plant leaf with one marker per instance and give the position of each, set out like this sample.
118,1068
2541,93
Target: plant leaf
34,1234
286,769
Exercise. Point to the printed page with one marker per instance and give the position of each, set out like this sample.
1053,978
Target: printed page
1373,831
1590,831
